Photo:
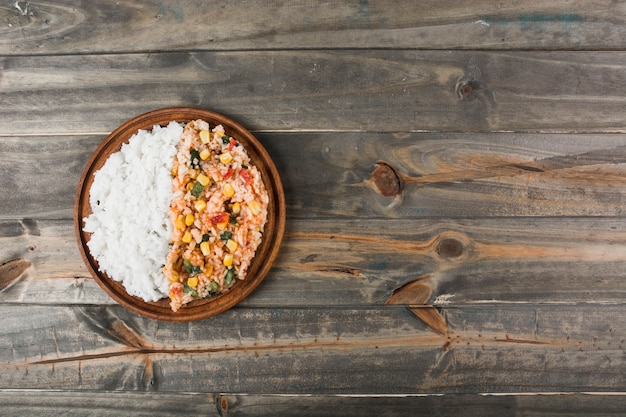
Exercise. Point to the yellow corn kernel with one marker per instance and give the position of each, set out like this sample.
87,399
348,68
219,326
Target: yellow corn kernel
226,158
231,245
236,209
174,276
208,270
174,170
204,136
180,222
189,185
204,154
192,282
189,220
187,237
200,205
222,226
193,174
228,190
205,247
204,180
228,259
255,207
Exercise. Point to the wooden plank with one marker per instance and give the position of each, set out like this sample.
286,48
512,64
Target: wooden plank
125,26
313,90
372,175
364,263
98,403
387,350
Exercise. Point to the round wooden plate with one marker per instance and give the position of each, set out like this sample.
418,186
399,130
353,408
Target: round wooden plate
266,252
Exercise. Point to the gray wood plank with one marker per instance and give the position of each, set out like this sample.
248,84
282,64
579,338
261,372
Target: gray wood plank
361,263
387,350
151,25
321,90
342,175
101,403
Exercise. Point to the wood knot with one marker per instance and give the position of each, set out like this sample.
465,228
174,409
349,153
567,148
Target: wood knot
453,247
388,182
450,248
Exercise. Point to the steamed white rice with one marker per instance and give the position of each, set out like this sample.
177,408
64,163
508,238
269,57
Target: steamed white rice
130,198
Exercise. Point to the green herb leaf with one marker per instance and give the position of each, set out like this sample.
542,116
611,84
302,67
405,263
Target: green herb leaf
194,158
206,237
187,265
225,235
225,140
190,290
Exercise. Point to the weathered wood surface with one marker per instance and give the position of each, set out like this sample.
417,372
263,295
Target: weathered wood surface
321,90
151,25
373,175
454,175
361,263
98,403
385,350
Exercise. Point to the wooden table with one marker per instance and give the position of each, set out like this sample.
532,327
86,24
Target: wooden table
455,178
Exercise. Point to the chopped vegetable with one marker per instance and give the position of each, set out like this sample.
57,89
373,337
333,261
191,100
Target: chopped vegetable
245,175
196,190
180,222
228,259
189,219
228,190
204,180
204,136
187,237
225,139
192,282
206,237
230,275
255,207
194,158
226,158
205,248
236,208
226,235
231,245
200,205
204,154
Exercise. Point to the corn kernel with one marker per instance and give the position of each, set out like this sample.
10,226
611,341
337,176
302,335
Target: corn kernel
231,245
180,222
189,185
189,220
204,180
222,226
226,158
236,209
174,276
193,174
200,205
187,237
228,190
228,259
174,171
192,282
204,154
204,136
205,247
209,270
255,207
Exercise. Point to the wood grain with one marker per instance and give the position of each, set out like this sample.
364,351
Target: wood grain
443,175
350,90
386,350
363,263
136,26
86,404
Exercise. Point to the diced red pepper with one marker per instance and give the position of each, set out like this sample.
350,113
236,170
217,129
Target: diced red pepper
229,173
245,175
232,144
220,218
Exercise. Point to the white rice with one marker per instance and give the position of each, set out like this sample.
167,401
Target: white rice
130,227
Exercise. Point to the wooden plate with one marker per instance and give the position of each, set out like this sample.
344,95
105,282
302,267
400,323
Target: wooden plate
265,254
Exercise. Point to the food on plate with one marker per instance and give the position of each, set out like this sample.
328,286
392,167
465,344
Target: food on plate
177,212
